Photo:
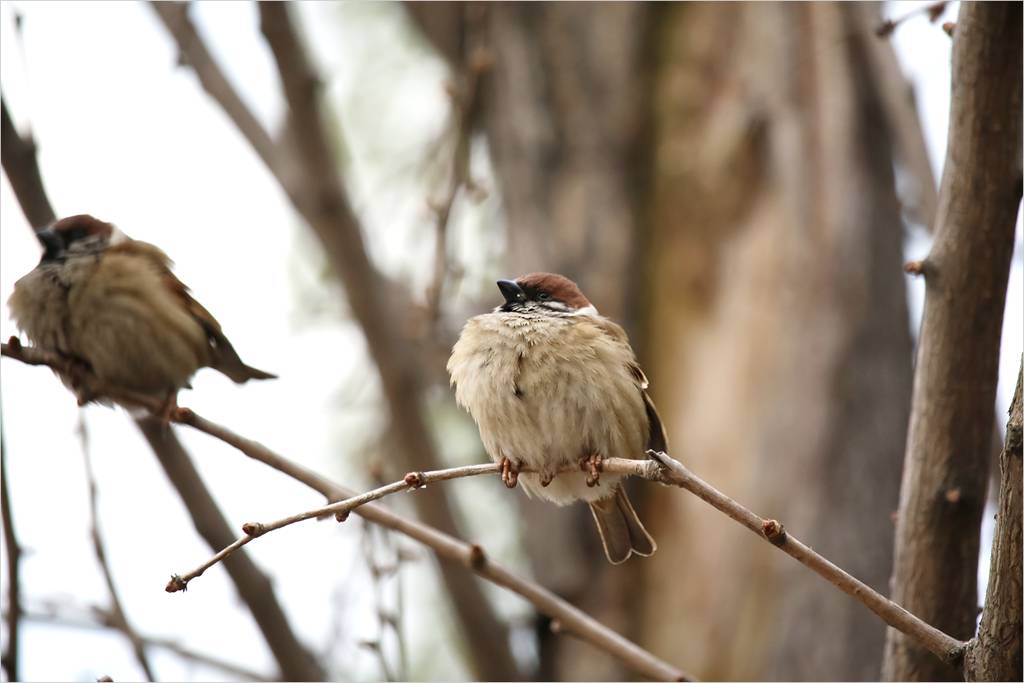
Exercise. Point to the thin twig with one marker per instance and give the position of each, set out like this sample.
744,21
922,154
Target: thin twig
119,620
14,609
934,11
411,481
938,643
571,619
466,104
661,469
308,170
452,549
192,51
22,168
104,619
377,574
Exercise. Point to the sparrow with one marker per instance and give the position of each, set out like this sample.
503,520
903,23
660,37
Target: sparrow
551,384
111,305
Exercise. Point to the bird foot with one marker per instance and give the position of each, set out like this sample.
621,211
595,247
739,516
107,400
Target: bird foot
168,408
592,465
546,479
509,473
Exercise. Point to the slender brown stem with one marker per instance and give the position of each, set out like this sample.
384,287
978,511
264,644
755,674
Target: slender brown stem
411,481
14,609
100,618
305,164
938,643
22,168
661,468
451,549
119,619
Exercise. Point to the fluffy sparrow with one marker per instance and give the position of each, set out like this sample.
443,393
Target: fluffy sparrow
550,384
112,304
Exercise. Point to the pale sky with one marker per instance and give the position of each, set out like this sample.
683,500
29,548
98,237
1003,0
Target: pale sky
126,135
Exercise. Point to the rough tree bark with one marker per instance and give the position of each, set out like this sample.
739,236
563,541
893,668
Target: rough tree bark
719,178
997,653
946,467
778,316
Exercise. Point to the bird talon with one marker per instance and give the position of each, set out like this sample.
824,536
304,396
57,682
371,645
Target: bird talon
592,465
546,479
168,408
509,473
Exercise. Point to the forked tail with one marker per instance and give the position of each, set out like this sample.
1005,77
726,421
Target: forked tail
621,530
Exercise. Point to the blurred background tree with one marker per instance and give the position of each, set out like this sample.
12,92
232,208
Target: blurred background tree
734,183
720,177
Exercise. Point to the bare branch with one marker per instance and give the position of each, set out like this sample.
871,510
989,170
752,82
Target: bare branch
995,654
949,443
458,552
119,620
104,619
466,104
411,482
22,168
308,171
933,10
14,609
253,586
897,99
935,641
661,469
192,51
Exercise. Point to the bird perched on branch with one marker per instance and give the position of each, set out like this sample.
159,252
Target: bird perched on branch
111,305
550,384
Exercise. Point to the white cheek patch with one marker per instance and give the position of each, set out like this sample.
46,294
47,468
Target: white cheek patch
116,236
586,310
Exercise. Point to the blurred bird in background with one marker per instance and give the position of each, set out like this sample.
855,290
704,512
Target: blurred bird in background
112,306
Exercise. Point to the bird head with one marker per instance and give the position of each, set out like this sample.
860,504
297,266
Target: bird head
544,293
75,236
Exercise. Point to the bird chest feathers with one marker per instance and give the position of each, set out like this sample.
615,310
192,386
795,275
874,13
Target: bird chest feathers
546,390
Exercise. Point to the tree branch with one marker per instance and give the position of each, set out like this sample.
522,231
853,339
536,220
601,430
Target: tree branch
466,99
253,586
341,509
119,619
949,440
104,619
996,653
14,609
308,171
22,168
661,468
447,547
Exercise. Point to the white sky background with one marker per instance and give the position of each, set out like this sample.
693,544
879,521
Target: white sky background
127,136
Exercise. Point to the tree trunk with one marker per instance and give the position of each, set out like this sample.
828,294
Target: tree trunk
779,342
719,177
947,459
998,651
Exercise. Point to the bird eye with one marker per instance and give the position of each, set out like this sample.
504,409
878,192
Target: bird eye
543,296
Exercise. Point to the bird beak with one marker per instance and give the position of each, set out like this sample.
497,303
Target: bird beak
53,245
512,292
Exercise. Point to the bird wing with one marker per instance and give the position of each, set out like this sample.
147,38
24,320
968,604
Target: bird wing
657,440
224,357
